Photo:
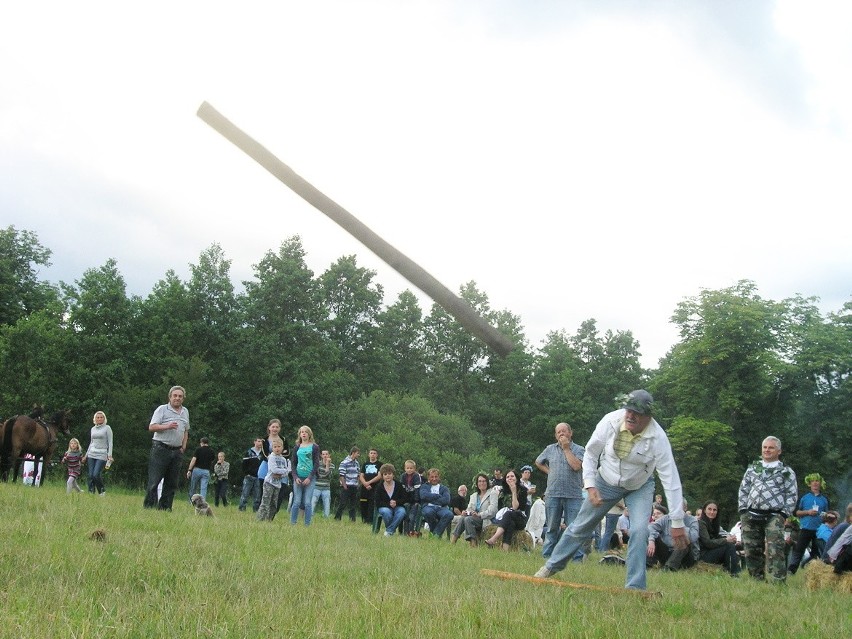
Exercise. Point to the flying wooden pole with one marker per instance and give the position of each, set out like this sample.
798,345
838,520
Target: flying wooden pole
446,299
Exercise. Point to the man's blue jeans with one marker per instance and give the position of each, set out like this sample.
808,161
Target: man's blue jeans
556,509
198,482
438,518
639,504
325,495
252,487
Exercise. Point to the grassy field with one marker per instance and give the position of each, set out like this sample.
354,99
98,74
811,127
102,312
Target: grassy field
174,574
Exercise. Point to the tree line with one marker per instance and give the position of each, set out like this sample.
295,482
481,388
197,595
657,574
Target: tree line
328,351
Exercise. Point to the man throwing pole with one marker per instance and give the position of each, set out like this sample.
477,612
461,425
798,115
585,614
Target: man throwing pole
628,445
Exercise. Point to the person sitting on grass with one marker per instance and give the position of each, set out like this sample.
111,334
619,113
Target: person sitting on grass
840,554
716,547
435,502
839,529
661,546
480,510
512,516
390,498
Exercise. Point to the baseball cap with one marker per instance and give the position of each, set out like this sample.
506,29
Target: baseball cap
640,401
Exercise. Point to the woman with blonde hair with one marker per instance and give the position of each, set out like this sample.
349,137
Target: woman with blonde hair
99,453
303,467
72,459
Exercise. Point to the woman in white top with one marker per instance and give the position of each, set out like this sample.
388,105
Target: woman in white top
480,511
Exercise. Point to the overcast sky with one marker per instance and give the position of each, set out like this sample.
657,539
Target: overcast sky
576,160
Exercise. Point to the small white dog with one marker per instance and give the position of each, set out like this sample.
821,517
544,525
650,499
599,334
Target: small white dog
201,507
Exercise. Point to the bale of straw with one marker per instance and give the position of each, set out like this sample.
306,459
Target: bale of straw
521,540
819,575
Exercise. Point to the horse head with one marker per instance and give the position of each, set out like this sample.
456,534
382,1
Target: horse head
60,420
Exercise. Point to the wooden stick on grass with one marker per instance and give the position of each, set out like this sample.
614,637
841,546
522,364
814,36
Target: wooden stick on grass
567,584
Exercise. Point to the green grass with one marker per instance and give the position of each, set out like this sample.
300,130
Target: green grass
175,574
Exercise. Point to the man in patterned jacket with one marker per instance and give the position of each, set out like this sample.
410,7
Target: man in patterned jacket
767,497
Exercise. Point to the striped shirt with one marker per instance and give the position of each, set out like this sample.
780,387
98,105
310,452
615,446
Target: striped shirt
323,480
74,461
349,470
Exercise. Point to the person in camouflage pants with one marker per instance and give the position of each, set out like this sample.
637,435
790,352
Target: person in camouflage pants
767,498
771,531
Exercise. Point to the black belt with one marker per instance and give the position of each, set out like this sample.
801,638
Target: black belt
159,443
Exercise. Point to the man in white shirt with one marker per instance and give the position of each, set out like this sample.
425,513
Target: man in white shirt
627,446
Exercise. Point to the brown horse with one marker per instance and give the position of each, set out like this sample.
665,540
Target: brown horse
24,434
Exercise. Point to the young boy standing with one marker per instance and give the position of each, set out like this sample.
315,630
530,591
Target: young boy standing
278,466
349,472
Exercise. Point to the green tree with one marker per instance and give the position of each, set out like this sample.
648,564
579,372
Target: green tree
455,358
213,303
352,302
501,405
409,427
161,337
705,453
558,390
36,360
288,365
21,292
728,365
215,318
821,384
577,378
401,344
100,318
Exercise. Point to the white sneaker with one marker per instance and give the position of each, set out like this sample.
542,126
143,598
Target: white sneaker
543,573
387,534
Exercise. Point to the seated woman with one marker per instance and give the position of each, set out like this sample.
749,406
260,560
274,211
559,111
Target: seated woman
480,511
825,529
389,498
511,516
716,548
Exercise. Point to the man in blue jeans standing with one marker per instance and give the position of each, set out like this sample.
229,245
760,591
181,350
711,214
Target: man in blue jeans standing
628,445
562,462
252,486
